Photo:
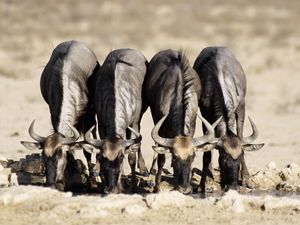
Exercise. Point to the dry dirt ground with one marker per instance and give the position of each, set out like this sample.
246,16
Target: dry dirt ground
264,36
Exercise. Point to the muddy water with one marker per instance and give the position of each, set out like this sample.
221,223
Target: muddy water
250,193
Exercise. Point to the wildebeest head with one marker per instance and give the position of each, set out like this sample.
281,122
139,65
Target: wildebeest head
183,150
231,148
110,156
54,153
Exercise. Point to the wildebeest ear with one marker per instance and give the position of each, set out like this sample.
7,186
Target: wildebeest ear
32,145
132,148
90,149
161,150
206,147
252,147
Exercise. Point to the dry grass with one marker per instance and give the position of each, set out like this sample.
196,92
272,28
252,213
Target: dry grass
30,29
264,35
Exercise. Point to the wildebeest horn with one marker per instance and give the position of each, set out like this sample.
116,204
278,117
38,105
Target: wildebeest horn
209,135
35,136
166,142
253,136
138,138
216,140
94,142
71,140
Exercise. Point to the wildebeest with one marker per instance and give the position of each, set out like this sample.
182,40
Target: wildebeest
118,102
223,94
172,90
67,86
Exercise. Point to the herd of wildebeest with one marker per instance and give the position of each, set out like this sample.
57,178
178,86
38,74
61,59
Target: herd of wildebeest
81,94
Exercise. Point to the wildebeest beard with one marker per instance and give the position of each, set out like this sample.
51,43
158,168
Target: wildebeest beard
111,173
182,173
55,169
229,170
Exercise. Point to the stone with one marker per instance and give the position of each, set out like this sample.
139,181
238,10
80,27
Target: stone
14,180
134,209
25,178
265,179
172,199
5,177
4,180
272,166
231,200
5,162
285,173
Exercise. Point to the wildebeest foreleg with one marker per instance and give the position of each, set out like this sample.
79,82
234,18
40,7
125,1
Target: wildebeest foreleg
153,169
161,159
141,164
240,118
206,170
132,163
89,121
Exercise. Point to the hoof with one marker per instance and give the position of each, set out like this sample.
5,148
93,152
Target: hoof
156,189
144,173
247,183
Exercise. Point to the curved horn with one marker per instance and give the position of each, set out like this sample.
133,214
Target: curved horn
253,136
216,140
138,138
94,142
209,135
35,136
166,142
71,140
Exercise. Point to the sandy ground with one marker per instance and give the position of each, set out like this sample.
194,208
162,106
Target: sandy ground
34,204
264,36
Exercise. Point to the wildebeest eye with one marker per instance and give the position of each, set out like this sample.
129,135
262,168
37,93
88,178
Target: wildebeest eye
121,157
58,153
43,157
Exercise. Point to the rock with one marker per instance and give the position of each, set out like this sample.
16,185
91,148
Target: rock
271,203
5,162
4,180
289,187
19,194
265,179
92,213
172,199
285,173
2,158
25,178
294,167
14,179
134,209
272,166
31,164
231,201
5,177
15,166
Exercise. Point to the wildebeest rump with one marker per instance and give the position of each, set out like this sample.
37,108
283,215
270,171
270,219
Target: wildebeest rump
223,94
118,101
67,86
172,90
